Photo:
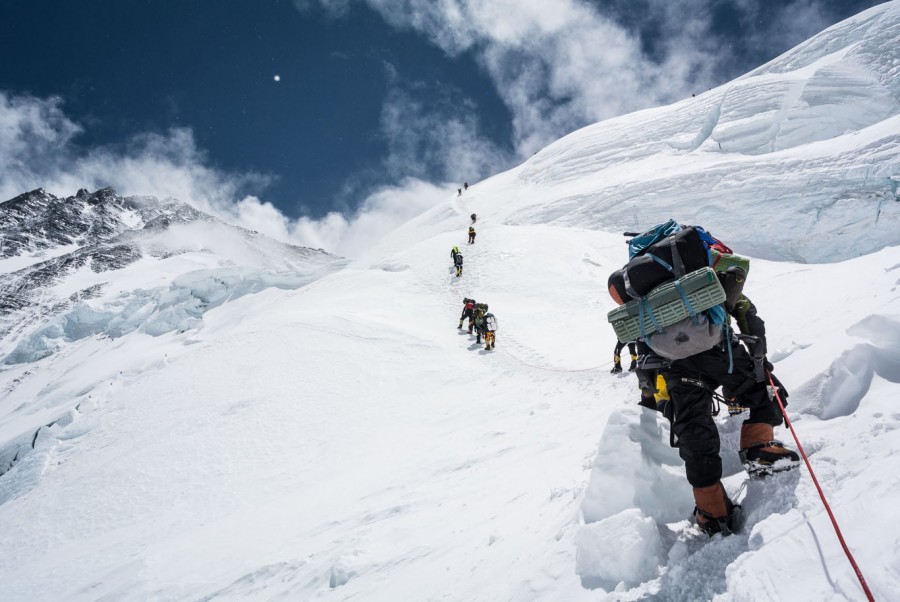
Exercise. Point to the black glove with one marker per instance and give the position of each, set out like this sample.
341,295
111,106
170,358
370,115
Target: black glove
782,392
756,347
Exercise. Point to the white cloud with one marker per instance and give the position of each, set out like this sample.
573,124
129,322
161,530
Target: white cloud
380,213
557,66
564,64
37,151
436,140
32,132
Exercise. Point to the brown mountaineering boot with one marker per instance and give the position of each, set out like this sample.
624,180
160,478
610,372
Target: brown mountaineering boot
714,512
761,454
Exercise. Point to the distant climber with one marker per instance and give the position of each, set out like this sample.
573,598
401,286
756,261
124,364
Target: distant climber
458,263
468,312
459,192
490,328
471,235
466,185
474,218
453,253
479,311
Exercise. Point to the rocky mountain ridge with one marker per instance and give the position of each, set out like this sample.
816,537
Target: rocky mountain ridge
46,240
38,220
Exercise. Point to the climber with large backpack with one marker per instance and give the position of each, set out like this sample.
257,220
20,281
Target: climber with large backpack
468,312
490,330
678,293
458,263
479,313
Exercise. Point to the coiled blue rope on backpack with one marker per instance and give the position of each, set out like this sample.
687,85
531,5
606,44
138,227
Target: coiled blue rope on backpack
687,303
643,305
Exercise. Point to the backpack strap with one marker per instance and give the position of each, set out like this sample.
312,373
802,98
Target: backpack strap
628,289
644,305
676,259
687,303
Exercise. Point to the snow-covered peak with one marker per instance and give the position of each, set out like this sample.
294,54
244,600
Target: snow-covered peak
860,38
36,221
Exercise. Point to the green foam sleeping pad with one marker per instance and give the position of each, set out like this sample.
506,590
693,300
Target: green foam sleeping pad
701,287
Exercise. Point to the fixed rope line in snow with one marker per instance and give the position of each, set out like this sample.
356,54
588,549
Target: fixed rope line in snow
809,467
459,297
550,368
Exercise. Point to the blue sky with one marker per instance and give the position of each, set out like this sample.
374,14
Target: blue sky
373,97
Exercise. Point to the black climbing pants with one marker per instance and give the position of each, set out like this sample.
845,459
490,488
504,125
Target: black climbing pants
695,433
620,345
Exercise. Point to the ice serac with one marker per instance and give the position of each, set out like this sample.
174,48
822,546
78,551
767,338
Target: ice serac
59,257
813,135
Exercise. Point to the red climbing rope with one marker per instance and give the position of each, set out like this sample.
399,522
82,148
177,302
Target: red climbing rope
837,529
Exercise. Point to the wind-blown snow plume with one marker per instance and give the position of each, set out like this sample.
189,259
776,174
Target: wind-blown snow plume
348,235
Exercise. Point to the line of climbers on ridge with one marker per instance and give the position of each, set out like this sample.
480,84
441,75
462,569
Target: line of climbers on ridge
481,321
456,256
677,296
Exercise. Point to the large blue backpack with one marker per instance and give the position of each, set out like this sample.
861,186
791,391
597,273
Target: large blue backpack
671,298
641,242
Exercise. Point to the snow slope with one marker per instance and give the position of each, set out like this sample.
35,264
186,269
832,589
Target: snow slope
337,438
825,113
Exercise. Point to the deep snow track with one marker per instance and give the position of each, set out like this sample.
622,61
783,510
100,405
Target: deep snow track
489,257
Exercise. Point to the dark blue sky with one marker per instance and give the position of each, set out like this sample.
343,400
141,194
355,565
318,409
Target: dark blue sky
364,92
